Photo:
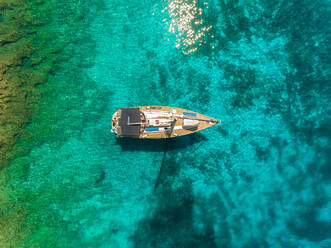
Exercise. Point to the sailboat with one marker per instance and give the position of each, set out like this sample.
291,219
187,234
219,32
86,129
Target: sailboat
158,122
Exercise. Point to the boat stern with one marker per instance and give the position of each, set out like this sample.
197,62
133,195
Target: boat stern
114,122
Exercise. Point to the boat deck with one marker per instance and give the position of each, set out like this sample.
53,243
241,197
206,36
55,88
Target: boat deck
165,113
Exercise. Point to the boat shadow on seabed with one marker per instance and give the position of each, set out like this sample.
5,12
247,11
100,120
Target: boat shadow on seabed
159,145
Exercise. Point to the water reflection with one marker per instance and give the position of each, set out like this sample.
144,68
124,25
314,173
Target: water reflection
186,22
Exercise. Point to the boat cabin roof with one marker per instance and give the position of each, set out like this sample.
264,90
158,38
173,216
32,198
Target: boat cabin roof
130,122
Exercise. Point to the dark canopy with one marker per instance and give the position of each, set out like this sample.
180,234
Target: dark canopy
130,122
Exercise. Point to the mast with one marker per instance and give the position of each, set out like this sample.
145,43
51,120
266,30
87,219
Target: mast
172,127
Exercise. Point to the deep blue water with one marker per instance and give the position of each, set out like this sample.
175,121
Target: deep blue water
261,179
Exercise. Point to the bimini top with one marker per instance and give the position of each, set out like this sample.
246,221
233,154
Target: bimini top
130,122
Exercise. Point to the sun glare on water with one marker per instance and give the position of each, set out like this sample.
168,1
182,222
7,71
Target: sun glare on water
186,22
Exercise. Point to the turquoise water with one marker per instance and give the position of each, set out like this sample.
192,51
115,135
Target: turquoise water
261,179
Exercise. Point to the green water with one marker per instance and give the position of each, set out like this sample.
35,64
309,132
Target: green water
261,179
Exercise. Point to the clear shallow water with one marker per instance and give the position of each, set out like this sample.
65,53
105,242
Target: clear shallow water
261,179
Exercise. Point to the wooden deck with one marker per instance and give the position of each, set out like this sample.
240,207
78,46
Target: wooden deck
205,122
